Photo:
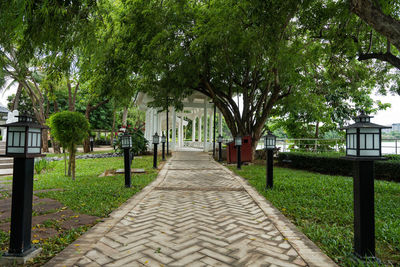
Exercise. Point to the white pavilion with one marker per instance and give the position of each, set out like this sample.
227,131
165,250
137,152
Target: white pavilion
196,108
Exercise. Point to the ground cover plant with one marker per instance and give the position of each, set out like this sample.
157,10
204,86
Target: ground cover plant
322,207
61,155
85,200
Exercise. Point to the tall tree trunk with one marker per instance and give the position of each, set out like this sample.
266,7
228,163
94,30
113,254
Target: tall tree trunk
54,143
38,107
65,162
89,109
15,103
113,126
72,96
86,141
316,136
317,130
125,116
72,160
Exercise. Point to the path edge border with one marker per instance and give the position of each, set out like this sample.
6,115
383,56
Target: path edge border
77,249
308,250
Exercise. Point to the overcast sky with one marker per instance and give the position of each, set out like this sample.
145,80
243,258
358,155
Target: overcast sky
387,117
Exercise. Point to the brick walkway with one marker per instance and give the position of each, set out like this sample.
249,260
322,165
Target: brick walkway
197,213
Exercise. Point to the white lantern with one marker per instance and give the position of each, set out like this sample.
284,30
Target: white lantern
270,141
238,140
24,138
163,139
126,141
363,138
156,139
220,139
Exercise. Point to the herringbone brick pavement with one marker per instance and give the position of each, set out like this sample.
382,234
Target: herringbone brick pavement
198,214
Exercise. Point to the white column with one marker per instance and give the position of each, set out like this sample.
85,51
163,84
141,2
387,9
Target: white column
211,128
151,118
159,124
146,129
194,129
173,128
182,133
179,132
205,126
155,122
219,122
200,133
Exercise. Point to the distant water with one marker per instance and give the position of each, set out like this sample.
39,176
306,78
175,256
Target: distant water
387,147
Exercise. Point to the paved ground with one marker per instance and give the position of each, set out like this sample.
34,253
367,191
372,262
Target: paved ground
197,213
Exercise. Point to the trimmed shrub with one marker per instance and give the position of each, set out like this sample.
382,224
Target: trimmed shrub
69,128
332,163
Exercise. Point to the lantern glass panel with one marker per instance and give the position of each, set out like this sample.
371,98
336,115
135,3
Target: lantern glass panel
34,140
238,141
156,139
220,139
352,152
362,141
376,141
16,140
126,141
163,139
369,141
369,130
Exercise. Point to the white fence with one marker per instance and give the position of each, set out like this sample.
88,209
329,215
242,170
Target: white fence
389,146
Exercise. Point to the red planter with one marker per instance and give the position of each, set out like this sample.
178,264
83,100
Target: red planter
245,150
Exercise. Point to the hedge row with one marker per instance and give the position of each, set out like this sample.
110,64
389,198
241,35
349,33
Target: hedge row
333,164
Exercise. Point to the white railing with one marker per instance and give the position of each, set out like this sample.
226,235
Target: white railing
389,146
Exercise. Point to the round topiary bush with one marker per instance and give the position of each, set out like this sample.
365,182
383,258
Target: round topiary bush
70,129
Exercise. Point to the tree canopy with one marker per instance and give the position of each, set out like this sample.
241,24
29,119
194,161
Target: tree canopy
282,59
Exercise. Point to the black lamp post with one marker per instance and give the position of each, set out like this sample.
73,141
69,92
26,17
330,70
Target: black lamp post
363,145
156,141
220,140
126,144
238,144
24,143
163,140
270,144
91,143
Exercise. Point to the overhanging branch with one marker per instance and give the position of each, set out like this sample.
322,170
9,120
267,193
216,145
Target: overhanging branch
388,57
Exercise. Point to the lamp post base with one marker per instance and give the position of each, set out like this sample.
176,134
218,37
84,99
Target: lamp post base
155,157
239,158
366,259
127,167
10,259
220,152
364,219
163,152
270,170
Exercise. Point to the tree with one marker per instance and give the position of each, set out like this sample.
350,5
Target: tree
367,36
254,50
382,20
69,128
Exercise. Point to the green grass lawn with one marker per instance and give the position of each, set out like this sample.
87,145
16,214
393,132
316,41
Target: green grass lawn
88,194
322,207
